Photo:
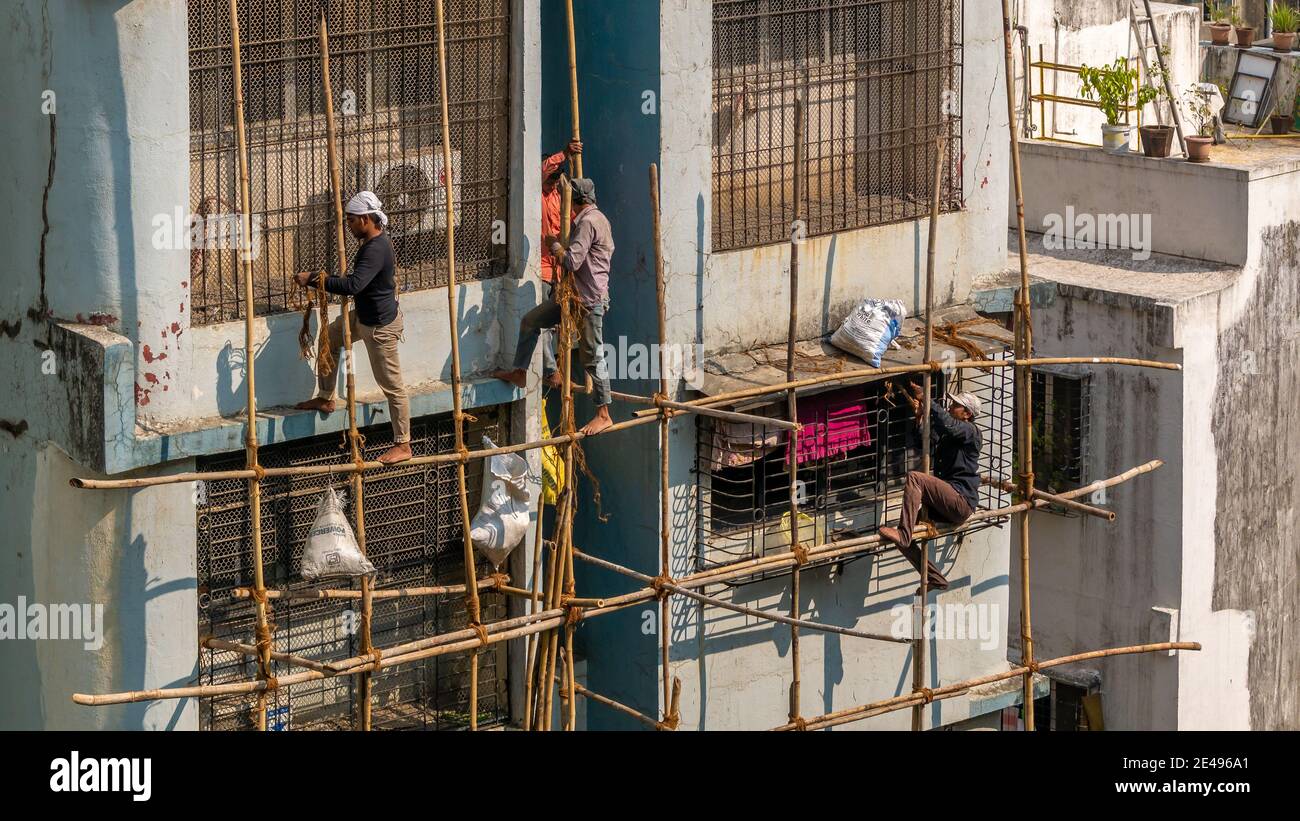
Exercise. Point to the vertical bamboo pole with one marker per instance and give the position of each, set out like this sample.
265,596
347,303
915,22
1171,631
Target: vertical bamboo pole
354,438
796,236
665,489
263,630
920,641
567,334
573,85
457,415
534,603
1024,383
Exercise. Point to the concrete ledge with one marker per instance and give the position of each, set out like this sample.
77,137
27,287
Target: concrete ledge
102,434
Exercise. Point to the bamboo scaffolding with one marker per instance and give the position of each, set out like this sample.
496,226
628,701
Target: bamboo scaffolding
394,593
1024,380
263,629
665,488
575,119
730,416
210,643
797,232
922,593
553,617
458,416
353,436
876,708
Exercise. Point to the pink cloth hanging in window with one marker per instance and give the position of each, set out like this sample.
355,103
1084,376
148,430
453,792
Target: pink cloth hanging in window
834,422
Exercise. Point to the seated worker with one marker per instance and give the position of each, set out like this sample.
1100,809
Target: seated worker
951,494
591,248
376,320
552,171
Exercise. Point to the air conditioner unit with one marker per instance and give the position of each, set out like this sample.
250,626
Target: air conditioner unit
412,189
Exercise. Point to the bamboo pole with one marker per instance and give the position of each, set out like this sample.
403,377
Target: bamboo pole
619,707
551,618
393,593
354,438
919,647
641,418
1024,381
797,232
665,488
262,628
899,702
730,416
575,120
1069,504
211,643
472,608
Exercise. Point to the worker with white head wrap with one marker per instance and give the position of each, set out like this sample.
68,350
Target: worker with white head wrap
951,493
376,321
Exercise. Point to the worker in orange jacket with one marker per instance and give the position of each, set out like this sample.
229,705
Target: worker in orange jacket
552,170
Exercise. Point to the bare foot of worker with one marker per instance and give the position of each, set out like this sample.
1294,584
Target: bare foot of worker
317,404
599,422
395,454
517,377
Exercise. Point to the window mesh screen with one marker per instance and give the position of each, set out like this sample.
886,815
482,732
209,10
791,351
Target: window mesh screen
413,537
881,80
383,61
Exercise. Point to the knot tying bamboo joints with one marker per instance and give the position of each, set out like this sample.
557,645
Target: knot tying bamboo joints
259,472
799,723
573,615
272,683
800,552
499,581
925,693
660,582
481,630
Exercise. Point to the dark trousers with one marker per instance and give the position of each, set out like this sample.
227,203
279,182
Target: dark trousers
942,503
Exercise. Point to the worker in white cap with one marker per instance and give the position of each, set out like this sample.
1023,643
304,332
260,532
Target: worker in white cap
376,320
951,493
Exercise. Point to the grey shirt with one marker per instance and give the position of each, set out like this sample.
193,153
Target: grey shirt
591,249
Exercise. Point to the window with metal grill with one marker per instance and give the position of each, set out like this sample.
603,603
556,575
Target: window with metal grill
856,447
413,537
881,80
387,103
1062,419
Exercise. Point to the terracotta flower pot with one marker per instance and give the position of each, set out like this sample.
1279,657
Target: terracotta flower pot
1198,149
1280,123
1245,36
1283,41
1156,139
1220,33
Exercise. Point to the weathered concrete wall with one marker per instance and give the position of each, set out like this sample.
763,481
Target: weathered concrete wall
1256,430
121,135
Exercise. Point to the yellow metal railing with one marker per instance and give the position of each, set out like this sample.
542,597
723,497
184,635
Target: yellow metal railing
1042,98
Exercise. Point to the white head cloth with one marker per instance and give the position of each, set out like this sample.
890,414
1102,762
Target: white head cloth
365,202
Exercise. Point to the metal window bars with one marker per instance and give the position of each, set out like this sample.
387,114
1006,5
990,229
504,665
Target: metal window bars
413,538
881,79
742,473
1062,422
384,75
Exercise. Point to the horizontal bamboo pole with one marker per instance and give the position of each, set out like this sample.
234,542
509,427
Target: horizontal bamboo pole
394,593
549,619
1060,501
639,418
890,370
889,705
249,650
737,608
703,410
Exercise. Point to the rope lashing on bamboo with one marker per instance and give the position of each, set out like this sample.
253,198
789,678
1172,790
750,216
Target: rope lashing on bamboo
925,693
482,632
660,584
574,612
499,581
800,554
800,724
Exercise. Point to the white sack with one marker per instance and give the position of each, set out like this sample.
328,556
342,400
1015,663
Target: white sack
331,546
503,514
869,328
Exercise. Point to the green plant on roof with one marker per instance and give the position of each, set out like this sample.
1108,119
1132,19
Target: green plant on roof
1114,87
1198,105
1285,19
1219,11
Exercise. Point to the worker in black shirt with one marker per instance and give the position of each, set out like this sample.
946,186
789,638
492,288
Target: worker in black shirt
376,320
951,493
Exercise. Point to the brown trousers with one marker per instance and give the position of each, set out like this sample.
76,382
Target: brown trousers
381,347
941,501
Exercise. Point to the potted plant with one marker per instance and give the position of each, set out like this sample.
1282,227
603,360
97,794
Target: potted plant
1245,33
1220,22
1156,139
1112,87
1198,105
1278,122
1285,21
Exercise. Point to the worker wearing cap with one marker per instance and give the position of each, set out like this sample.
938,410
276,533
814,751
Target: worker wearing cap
588,258
376,320
951,493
